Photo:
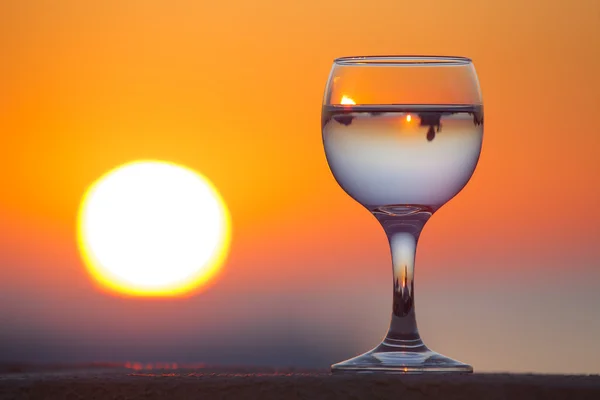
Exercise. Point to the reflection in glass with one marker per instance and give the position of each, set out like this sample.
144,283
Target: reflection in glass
402,136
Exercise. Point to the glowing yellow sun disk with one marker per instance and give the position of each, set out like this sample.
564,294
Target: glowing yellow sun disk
152,228
408,118
347,100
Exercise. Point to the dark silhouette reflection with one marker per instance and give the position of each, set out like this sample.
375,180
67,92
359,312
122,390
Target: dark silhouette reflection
478,118
344,119
430,134
403,295
433,121
427,119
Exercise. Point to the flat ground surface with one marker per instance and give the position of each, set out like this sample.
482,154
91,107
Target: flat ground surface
209,383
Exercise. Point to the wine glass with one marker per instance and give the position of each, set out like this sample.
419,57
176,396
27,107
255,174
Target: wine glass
402,136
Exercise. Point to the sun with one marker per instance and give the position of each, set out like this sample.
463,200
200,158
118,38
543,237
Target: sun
153,228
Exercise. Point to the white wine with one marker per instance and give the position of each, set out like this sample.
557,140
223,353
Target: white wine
389,157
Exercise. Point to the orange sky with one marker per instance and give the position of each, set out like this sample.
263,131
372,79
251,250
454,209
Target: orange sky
234,91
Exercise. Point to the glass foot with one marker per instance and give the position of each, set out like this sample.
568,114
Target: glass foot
384,359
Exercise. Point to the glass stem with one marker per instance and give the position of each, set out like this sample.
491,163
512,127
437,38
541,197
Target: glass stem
403,230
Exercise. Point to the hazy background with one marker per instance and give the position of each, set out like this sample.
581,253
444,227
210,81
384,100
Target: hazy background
508,273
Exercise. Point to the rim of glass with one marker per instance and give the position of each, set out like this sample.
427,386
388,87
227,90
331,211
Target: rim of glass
406,60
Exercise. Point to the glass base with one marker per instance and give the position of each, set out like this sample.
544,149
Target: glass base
384,359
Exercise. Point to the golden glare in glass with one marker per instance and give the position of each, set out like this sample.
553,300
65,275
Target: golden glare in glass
409,123
347,101
152,228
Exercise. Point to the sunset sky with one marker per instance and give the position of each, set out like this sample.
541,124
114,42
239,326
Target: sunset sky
508,272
